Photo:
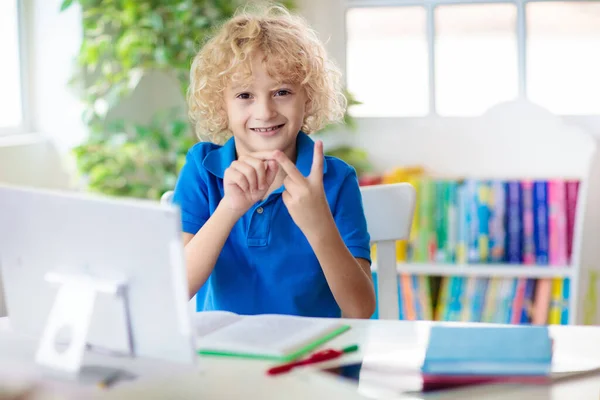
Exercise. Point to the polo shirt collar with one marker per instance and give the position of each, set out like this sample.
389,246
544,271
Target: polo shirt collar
219,159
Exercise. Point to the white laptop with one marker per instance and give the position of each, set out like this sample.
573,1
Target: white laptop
51,240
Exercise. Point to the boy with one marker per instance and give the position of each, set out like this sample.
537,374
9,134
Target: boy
270,224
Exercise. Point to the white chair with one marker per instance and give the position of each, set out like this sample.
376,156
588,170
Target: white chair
167,197
389,211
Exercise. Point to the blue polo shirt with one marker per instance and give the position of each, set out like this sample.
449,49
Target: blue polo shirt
267,264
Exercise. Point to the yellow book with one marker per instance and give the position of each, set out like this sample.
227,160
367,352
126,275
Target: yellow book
556,301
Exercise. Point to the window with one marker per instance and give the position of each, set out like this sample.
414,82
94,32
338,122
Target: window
388,45
563,56
460,57
11,110
475,57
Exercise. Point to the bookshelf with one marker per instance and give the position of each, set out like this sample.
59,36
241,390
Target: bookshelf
485,270
516,141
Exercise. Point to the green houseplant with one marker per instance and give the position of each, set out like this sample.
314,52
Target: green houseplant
123,41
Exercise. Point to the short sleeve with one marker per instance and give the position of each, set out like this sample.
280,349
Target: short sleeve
190,195
350,218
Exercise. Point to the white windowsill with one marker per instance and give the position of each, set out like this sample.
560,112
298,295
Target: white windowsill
22,139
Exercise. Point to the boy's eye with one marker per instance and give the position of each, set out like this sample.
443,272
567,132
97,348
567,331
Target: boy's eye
243,96
282,92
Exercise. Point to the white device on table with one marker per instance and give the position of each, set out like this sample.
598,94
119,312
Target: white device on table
83,271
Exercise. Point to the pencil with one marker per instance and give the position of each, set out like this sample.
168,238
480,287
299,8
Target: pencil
109,380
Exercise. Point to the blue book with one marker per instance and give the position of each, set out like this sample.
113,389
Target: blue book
400,303
514,227
479,299
376,313
497,224
540,222
472,221
526,312
564,315
488,351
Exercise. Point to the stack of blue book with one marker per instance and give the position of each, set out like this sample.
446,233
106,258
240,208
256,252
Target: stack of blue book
458,356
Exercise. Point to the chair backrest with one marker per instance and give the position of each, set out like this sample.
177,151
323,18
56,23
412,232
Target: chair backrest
389,211
167,197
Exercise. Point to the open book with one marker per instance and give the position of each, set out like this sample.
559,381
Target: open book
268,336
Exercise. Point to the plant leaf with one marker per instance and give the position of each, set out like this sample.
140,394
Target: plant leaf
65,4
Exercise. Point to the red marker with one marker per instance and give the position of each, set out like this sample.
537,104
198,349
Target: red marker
320,356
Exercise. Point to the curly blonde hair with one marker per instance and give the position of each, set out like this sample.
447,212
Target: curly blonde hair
293,54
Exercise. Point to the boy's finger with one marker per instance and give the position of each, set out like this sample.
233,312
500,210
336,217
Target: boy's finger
239,179
271,173
288,166
260,168
316,171
264,155
249,172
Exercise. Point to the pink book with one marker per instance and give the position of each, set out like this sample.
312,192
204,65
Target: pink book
557,234
517,305
557,223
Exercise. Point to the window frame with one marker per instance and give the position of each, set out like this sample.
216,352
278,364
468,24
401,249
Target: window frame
430,5
25,125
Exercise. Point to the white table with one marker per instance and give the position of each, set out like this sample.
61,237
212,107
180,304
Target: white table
393,344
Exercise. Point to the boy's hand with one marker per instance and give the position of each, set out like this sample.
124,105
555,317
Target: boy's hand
246,181
305,197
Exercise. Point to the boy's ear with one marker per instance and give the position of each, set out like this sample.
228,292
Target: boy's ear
308,105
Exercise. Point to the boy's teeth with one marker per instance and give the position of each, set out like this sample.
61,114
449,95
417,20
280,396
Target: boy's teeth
266,129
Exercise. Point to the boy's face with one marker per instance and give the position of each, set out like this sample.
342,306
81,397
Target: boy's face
265,115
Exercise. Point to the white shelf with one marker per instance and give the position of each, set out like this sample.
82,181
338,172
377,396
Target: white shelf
485,270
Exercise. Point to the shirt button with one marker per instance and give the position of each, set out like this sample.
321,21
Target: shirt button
259,210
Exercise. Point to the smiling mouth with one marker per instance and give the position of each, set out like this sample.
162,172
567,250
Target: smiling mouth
269,129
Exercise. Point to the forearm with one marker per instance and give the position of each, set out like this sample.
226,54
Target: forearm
351,286
202,252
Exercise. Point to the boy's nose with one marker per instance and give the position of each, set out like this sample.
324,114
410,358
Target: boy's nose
264,110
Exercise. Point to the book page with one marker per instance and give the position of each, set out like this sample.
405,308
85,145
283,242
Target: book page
206,322
567,366
268,334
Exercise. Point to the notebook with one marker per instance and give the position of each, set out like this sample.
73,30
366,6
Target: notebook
268,336
488,351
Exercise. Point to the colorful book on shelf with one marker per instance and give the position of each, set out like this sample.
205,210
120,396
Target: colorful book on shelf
564,314
271,337
522,304
497,228
571,194
440,221
452,215
557,233
542,244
